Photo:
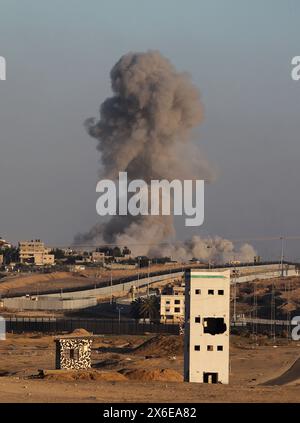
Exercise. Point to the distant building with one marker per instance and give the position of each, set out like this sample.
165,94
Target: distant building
69,252
83,260
4,244
171,289
194,260
206,345
76,267
98,257
235,262
172,302
125,257
257,259
34,252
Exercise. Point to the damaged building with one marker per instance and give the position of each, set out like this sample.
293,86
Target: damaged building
207,309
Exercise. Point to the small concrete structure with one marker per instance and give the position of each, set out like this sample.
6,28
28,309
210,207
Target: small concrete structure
73,352
207,322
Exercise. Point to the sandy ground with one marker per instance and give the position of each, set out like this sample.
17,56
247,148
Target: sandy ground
22,355
38,283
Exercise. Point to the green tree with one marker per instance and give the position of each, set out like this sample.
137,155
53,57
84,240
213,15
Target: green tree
146,308
117,252
10,255
58,253
135,308
126,251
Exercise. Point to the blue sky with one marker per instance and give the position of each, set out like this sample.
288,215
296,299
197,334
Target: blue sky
59,55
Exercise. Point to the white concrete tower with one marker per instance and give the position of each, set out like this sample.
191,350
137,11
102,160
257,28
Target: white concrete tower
207,324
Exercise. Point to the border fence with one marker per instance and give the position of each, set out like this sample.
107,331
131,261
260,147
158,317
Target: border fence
130,326
96,326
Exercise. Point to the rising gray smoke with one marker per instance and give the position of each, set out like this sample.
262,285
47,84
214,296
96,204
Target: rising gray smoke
215,250
145,130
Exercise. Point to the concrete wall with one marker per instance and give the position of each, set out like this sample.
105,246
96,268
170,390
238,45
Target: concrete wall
107,290
266,275
257,269
142,282
120,266
44,303
267,272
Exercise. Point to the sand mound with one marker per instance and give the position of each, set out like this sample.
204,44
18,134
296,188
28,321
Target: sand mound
162,375
163,345
80,332
88,375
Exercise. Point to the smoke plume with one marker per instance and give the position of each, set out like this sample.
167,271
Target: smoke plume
145,129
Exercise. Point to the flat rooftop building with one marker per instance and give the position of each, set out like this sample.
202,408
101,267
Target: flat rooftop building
34,252
207,322
172,304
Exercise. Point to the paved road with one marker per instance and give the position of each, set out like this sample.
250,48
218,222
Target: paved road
291,375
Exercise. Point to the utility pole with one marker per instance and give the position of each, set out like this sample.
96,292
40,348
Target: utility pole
138,276
148,278
209,264
288,315
119,311
282,256
234,293
255,312
119,308
111,286
273,313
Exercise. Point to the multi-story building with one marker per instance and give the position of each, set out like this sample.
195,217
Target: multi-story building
172,305
34,252
4,244
98,257
207,321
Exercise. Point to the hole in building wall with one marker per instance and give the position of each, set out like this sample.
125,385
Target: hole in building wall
214,325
